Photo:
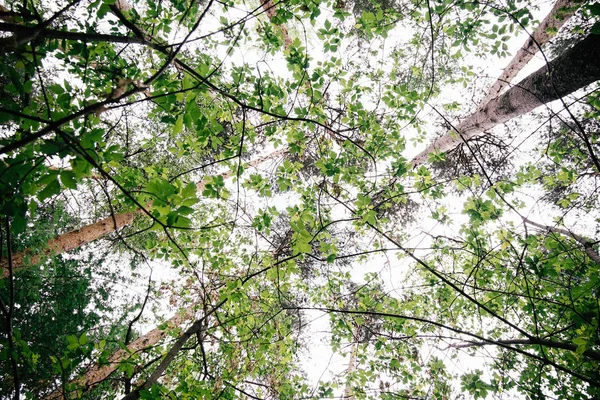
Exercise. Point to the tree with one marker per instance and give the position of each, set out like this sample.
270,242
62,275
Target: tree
135,114
559,14
62,302
578,67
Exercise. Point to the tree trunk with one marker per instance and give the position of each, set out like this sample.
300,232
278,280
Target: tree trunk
79,237
74,239
560,13
196,328
572,70
69,241
97,374
352,363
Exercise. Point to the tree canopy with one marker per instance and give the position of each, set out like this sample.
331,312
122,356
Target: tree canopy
210,199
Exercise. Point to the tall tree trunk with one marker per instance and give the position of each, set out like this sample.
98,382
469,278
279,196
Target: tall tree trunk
196,328
69,241
352,363
560,13
572,70
79,237
97,374
74,239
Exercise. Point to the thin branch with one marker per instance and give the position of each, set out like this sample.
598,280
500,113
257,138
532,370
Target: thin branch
593,354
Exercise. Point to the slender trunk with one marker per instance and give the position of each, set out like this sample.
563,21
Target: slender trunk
97,374
197,328
560,13
74,239
352,364
572,70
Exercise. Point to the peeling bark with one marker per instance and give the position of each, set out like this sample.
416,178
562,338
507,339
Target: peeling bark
572,70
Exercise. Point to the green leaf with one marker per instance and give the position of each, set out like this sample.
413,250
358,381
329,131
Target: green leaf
51,189
189,191
580,341
67,178
184,210
161,188
19,224
178,127
302,246
83,339
73,342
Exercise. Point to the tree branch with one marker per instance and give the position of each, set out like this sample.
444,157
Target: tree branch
588,245
196,327
593,354
30,32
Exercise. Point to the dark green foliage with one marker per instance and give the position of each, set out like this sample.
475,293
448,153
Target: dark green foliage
52,306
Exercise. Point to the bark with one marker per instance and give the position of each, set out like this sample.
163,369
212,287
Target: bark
69,241
98,374
197,328
6,14
572,70
352,364
74,239
79,237
560,13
